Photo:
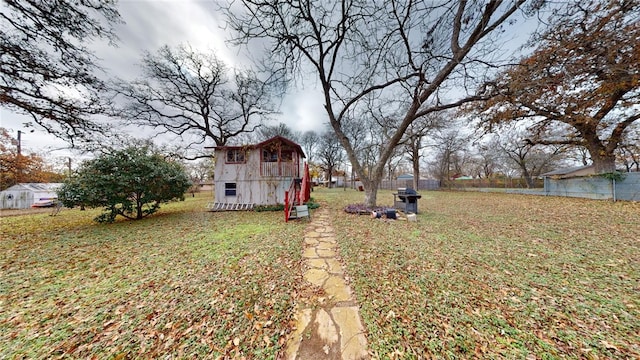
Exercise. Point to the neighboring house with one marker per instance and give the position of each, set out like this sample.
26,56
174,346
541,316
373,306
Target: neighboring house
23,195
570,172
257,174
338,179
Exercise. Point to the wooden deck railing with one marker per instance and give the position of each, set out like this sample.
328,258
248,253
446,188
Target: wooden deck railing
283,169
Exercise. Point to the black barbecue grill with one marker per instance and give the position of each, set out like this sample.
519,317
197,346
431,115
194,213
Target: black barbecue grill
406,200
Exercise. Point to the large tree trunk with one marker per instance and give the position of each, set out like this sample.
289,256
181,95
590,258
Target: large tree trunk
528,179
604,158
605,163
371,192
371,183
139,207
416,170
415,156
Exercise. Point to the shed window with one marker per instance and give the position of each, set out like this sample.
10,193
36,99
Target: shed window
235,156
229,189
286,155
272,155
269,155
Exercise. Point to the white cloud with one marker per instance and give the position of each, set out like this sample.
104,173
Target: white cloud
303,110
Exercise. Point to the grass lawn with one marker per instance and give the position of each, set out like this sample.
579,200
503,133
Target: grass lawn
495,276
479,275
184,283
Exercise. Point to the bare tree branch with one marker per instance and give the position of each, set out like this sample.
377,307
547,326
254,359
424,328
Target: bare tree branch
195,96
47,72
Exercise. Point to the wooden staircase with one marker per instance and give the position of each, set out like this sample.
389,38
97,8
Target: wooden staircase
298,194
290,198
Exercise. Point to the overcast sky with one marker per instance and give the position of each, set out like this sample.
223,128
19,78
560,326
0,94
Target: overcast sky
150,24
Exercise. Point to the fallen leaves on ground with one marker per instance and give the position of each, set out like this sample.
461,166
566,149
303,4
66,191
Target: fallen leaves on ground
496,276
185,283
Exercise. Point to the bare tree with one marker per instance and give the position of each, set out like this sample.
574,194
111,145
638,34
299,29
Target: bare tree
269,131
413,143
630,157
368,52
628,153
195,96
451,154
579,154
364,139
530,159
47,71
394,164
200,170
330,154
486,162
310,141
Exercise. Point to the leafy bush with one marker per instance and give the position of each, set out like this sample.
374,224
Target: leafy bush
312,204
261,208
132,183
280,207
616,175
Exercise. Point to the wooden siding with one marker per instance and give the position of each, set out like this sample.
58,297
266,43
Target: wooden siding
257,182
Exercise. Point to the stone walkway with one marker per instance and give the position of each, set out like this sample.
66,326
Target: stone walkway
331,330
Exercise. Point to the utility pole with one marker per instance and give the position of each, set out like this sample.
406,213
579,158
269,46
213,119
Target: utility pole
19,159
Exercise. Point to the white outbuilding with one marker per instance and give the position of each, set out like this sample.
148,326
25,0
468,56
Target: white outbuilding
23,195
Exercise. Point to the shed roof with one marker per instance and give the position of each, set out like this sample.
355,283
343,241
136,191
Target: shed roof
568,171
263,144
38,187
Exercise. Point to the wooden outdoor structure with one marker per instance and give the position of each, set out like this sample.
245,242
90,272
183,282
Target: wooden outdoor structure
258,174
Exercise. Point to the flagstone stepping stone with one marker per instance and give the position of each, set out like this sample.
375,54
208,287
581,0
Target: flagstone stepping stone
311,241
334,266
316,276
310,253
337,289
324,253
331,328
352,340
302,320
318,264
325,246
